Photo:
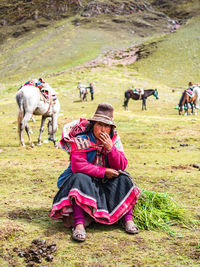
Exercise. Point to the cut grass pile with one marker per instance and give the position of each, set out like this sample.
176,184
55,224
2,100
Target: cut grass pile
158,211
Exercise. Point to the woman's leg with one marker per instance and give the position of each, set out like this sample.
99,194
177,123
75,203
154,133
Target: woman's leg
78,233
128,216
130,227
78,215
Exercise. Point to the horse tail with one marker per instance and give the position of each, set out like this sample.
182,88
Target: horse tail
20,103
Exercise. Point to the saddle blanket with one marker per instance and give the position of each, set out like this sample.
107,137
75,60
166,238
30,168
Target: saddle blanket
189,92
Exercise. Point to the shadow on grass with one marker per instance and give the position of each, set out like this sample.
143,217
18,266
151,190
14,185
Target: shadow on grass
37,216
77,101
10,145
41,218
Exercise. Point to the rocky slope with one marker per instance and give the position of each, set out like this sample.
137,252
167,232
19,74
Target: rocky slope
18,17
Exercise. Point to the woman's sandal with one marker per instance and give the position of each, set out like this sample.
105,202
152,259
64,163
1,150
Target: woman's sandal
131,228
79,235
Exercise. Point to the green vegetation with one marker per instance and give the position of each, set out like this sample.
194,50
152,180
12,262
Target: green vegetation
176,58
161,146
155,210
159,164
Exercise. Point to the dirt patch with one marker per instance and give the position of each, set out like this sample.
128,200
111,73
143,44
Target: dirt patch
19,214
28,214
10,231
181,167
118,57
195,254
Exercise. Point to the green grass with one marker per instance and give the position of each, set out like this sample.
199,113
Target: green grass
158,211
28,178
177,58
168,210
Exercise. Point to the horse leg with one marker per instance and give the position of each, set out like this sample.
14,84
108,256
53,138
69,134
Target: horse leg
23,124
143,104
33,119
54,128
192,109
186,110
29,136
126,99
145,101
195,111
41,130
195,108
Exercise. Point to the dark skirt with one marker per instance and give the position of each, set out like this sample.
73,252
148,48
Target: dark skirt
104,200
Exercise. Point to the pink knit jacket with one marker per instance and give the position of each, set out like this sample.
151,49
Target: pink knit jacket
79,163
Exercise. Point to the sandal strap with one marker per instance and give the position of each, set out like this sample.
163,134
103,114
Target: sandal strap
77,233
131,228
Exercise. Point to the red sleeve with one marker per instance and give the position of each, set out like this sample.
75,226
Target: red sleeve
79,163
117,159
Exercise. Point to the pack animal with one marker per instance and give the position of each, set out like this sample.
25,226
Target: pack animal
31,102
187,101
83,92
135,96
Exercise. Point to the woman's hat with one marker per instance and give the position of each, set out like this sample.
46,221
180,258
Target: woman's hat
104,113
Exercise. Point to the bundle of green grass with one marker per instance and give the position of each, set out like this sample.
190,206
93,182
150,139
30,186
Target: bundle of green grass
158,210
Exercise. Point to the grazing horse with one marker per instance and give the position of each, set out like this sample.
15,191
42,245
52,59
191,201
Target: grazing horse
31,101
187,100
135,96
83,91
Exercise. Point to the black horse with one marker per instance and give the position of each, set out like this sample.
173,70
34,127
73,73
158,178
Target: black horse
136,96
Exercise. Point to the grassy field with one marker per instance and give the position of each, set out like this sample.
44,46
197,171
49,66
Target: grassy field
153,142
161,148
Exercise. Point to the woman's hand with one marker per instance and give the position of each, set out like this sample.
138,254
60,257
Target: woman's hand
111,173
106,140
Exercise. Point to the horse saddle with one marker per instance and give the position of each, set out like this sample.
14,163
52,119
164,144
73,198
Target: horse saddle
46,97
138,91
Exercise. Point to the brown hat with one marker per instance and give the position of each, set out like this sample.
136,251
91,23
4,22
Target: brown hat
104,113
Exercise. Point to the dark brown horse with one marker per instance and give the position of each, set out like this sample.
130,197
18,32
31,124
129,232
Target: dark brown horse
186,102
135,96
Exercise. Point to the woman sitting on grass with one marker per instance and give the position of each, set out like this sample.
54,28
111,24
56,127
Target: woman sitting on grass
94,186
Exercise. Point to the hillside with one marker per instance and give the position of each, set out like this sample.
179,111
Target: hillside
39,38
76,39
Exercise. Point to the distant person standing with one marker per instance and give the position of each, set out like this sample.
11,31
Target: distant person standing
91,87
190,86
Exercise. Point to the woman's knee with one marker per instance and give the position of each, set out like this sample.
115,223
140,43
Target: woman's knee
82,176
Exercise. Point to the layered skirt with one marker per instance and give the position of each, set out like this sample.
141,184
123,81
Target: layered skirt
103,200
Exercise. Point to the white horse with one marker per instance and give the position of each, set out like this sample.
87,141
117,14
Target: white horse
31,101
83,91
196,92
